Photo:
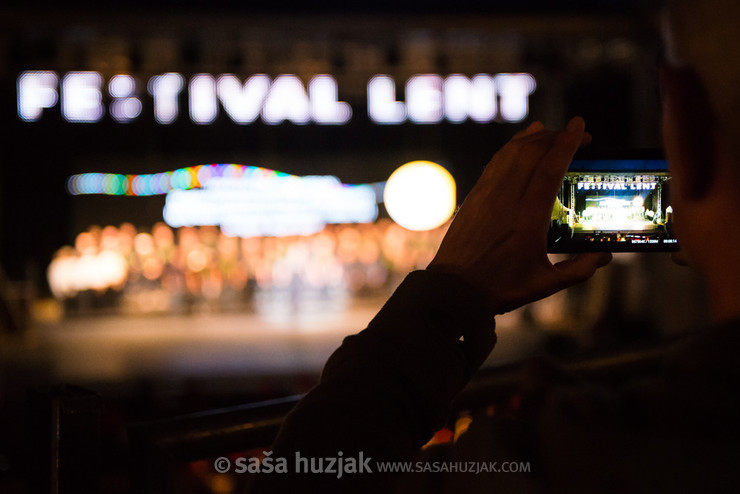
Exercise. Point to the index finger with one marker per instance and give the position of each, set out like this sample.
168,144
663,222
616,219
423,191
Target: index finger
545,182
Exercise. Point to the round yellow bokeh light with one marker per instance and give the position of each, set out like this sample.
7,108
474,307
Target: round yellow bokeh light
420,195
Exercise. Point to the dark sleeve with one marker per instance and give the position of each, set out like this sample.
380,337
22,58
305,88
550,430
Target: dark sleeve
386,390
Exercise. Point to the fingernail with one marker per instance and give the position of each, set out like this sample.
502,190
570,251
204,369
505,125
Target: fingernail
576,124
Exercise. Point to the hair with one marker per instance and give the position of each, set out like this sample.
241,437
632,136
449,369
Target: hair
704,35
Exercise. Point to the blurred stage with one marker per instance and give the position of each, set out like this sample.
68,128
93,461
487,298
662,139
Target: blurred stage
250,347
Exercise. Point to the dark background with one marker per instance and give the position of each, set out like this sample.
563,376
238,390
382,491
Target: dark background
596,59
571,48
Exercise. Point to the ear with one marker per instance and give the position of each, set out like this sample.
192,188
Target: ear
689,126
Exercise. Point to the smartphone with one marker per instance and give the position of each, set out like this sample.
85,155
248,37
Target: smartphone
616,202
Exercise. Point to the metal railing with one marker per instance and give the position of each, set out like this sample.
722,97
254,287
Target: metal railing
70,428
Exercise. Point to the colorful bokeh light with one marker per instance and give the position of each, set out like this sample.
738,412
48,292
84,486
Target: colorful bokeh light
191,177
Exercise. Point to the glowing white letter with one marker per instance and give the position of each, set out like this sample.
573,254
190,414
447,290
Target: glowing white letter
514,90
287,100
82,100
243,102
381,101
36,91
424,98
126,106
203,102
325,108
164,89
474,98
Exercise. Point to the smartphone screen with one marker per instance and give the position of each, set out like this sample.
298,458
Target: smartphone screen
615,205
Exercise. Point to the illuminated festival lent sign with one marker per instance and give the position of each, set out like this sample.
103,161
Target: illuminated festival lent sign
616,186
244,201
85,97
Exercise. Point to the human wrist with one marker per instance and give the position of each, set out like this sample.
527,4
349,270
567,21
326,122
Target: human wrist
463,277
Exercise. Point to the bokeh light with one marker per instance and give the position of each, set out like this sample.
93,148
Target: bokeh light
420,195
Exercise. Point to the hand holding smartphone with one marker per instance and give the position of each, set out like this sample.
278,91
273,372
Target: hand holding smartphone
614,202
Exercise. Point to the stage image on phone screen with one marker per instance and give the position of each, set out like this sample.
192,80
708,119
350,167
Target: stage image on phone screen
613,205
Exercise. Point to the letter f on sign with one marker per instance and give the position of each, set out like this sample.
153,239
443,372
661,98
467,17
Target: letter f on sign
36,90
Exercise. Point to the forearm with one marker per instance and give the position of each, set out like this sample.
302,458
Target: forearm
386,390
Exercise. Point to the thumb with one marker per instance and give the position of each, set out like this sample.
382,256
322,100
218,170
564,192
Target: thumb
580,267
